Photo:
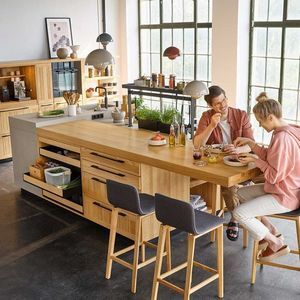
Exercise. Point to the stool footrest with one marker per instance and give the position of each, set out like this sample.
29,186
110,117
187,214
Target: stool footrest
204,267
171,286
118,253
204,283
273,264
295,252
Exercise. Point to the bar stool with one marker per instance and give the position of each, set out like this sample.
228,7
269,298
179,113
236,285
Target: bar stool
181,215
126,200
291,216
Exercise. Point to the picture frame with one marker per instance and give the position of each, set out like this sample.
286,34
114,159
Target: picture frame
59,34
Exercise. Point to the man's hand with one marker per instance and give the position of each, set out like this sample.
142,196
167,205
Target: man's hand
215,120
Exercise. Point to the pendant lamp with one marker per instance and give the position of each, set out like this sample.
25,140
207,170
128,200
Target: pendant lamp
171,52
101,58
196,89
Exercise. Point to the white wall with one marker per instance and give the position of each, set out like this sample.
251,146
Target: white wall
230,48
23,31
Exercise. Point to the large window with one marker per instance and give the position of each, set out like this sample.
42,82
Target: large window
185,24
275,57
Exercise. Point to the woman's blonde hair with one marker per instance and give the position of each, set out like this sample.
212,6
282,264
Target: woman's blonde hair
266,107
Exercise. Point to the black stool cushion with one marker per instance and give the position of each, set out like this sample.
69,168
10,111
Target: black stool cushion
181,215
126,196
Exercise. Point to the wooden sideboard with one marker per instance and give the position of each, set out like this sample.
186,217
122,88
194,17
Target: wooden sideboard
122,154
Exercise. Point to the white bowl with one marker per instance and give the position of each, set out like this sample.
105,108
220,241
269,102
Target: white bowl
227,161
157,143
216,148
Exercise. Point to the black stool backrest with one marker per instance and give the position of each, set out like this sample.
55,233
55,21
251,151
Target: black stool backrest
176,213
123,196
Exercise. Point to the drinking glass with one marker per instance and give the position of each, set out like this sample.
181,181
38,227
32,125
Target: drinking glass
197,154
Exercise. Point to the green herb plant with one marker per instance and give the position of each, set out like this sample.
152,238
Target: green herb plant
168,114
145,113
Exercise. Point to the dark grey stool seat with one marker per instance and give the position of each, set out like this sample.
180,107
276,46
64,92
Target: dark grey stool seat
126,200
127,197
181,215
293,215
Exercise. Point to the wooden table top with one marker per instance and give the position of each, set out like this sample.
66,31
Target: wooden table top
132,144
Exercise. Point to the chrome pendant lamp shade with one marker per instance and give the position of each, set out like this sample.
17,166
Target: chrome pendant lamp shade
104,38
196,89
99,58
171,52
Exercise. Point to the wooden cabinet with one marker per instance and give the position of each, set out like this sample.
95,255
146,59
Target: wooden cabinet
5,113
97,167
44,83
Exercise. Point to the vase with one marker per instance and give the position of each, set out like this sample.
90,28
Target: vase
72,110
74,48
62,53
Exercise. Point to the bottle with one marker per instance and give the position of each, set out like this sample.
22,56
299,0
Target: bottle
182,135
172,136
176,129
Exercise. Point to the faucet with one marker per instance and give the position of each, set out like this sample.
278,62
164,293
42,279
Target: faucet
105,95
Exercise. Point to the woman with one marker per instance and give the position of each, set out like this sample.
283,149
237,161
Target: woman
280,163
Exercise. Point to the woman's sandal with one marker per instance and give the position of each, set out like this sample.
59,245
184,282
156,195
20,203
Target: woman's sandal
263,244
268,254
232,231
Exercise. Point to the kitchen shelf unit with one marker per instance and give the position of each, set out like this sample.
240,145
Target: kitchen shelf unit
174,94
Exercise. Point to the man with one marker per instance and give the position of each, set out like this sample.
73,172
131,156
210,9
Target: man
222,124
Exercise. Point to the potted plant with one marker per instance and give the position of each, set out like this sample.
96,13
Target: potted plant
166,119
147,118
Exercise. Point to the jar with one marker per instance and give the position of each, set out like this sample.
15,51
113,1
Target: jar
161,80
180,85
172,81
154,80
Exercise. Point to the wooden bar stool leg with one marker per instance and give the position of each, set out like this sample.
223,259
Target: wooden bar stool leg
143,252
189,268
159,259
254,261
213,211
168,249
220,262
136,253
245,238
111,243
298,233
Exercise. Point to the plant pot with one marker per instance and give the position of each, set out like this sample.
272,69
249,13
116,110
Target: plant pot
148,124
163,127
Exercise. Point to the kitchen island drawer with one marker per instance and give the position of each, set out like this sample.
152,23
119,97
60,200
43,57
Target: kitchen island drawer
110,173
64,193
100,213
111,161
94,186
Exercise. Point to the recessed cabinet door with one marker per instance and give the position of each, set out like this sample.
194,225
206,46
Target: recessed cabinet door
44,83
5,147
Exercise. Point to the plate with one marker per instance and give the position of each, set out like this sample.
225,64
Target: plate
227,161
157,143
216,148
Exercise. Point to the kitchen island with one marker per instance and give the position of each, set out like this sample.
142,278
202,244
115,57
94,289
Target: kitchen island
123,154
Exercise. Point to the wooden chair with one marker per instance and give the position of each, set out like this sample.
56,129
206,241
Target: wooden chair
181,215
290,216
127,201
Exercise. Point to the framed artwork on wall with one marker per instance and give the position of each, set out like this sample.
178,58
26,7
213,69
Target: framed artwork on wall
59,33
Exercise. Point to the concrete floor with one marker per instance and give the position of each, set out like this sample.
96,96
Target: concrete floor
47,252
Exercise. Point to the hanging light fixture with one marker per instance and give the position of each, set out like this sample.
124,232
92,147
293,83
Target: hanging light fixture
101,58
171,52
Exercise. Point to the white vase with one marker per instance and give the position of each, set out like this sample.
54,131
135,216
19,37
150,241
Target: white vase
72,110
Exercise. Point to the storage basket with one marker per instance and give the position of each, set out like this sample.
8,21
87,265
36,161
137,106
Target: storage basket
58,176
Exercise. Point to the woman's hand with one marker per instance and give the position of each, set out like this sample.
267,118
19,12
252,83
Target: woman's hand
230,149
247,157
241,141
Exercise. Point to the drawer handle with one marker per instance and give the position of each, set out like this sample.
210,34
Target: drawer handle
44,105
98,180
103,156
13,109
98,168
122,214
99,205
